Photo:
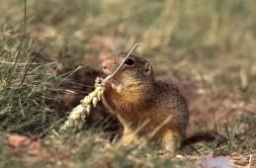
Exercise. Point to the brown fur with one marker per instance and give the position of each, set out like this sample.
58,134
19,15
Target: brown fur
82,82
143,104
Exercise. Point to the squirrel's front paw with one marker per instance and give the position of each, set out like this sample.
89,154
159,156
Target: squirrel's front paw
98,80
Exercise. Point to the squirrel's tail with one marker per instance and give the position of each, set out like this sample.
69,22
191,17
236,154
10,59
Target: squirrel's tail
207,136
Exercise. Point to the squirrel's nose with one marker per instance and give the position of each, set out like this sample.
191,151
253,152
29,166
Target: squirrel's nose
106,65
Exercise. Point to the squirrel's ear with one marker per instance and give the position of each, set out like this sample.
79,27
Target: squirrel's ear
147,69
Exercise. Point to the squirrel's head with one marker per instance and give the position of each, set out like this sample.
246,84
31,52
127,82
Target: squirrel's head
135,73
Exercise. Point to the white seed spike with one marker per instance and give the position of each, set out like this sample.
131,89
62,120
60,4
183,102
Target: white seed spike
88,109
83,115
87,100
95,101
100,93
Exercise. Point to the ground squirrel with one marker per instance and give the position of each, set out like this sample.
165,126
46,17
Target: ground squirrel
149,109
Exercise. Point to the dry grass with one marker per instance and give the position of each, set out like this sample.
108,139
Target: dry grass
206,47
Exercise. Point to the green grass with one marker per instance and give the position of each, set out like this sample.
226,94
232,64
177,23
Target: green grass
209,45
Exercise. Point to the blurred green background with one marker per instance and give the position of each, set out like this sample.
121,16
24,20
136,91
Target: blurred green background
208,45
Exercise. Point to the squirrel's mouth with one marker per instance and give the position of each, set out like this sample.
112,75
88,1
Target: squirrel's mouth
107,71
115,84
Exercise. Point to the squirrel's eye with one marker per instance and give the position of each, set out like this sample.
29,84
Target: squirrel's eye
129,61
